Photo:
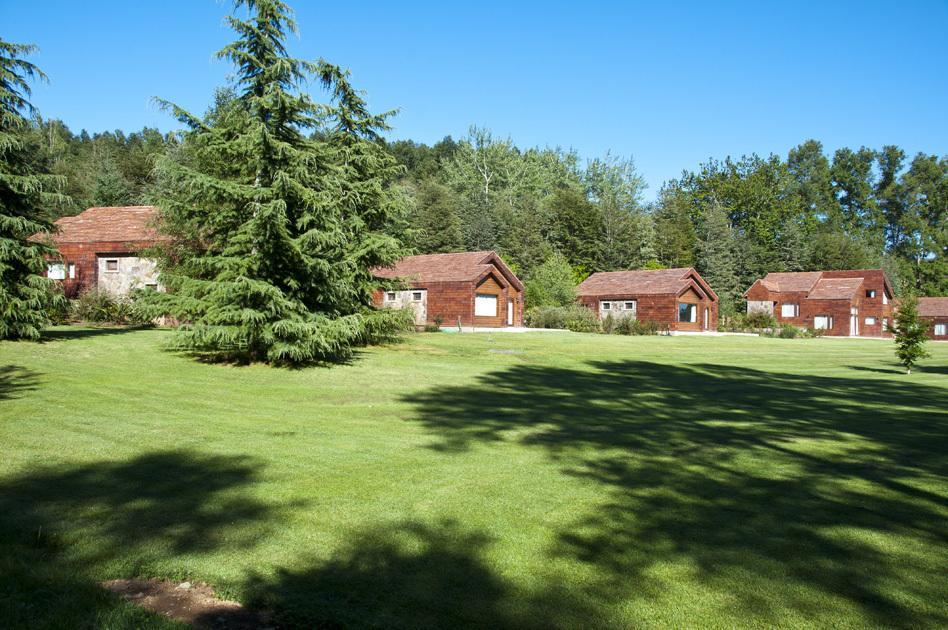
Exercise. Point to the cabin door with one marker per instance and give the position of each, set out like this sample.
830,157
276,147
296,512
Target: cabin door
707,317
510,309
853,322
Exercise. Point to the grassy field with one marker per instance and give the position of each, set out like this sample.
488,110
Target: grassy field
492,480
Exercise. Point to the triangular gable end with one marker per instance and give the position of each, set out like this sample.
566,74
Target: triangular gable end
494,259
696,278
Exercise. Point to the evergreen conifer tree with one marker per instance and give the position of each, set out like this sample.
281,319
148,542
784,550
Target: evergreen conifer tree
25,293
909,334
717,257
277,207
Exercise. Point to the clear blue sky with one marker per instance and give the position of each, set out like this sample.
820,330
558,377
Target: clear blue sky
671,84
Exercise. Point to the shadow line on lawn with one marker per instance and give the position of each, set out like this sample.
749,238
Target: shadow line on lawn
771,485
15,379
63,528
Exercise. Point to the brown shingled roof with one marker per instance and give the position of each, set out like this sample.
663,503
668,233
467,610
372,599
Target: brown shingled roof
457,267
119,223
933,306
642,282
788,281
835,289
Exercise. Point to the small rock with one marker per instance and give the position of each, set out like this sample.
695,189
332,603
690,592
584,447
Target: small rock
184,586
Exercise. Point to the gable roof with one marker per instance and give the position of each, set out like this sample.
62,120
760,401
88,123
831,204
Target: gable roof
457,267
821,285
791,281
134,224
644,282
933,306
835,289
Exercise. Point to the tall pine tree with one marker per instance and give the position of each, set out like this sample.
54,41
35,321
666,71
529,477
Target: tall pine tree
717,257
25,294
277,207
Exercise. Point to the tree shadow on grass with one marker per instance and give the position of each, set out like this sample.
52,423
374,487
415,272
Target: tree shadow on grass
410,575
64,527
86,332
15,379
821,497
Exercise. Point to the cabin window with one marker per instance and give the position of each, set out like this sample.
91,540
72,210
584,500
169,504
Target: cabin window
485,305
822,322
630,306
416,296
870,321
72,271
871,293
789,310
390,296
111,265
885,298
606,306
941,330
56,271
687,312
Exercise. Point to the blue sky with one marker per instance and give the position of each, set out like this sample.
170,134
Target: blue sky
671,84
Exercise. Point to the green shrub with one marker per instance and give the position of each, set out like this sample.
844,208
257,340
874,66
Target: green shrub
789,332
582,320
436,325
558,316
632,326
101,307
758,320
59,309
608,325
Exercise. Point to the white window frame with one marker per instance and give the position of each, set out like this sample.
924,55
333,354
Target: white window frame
56,271
390,296
885,297
870,321
626,307
605,305
827,322
794,310
111,260
941,330
71,271
416,296
870,293
485,304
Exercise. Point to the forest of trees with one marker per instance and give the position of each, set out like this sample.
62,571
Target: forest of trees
734,220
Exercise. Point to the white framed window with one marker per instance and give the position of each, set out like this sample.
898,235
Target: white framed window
870,321
630,306
390,296
871,293
606,306
789,310
72,270
941,330
822,322
485,305
416,296
885,297
112,265
56,271
687,312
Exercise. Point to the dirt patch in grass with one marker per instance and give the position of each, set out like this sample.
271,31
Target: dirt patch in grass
193,604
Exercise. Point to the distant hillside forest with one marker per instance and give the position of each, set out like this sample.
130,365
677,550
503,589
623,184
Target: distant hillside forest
734,220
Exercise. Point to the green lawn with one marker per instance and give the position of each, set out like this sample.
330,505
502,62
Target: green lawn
492,480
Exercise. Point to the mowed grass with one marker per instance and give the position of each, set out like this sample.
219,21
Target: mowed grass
492,480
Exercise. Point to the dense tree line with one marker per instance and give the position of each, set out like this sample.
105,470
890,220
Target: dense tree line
735,220
111,168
